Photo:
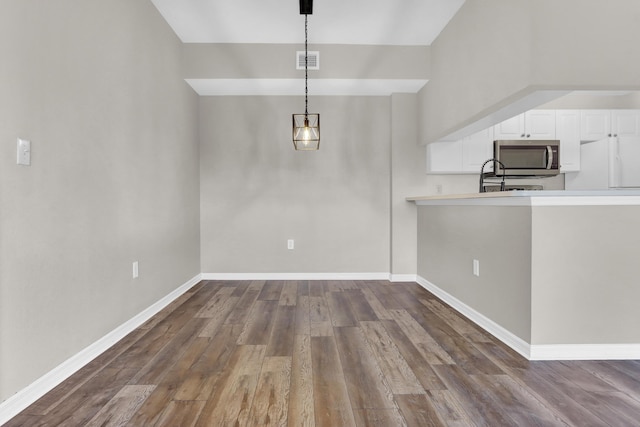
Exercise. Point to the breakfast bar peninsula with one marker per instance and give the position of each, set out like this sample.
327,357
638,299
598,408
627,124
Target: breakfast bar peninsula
553,274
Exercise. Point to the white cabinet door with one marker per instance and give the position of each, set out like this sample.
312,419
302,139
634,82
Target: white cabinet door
540,124
625,126
595,124
512,128
444,157
476,149
599,124
534,124
625,123
594,167
464,156
568,132
627,161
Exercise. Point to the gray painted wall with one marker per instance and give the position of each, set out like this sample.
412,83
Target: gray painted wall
480,59
495,52
548,274
451,237
407,178
585,275
97,87
257,191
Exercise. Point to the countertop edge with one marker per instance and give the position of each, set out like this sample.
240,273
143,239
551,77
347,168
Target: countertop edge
534,198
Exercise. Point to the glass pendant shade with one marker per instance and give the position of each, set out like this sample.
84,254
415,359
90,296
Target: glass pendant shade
306,131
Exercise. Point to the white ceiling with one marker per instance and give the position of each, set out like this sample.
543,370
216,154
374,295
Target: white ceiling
371,22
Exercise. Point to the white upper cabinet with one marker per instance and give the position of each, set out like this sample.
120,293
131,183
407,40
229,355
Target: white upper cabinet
476,149
534,124
512,128
568,132
569,126
540,124
600,124
625,123
595,124
464,156
444,157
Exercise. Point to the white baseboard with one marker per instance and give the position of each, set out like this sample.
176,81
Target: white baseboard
403,278
585,352
537,351
25,397
513,341
295,276
311,276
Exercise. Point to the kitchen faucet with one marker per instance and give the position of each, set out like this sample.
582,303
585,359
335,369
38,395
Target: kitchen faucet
482,174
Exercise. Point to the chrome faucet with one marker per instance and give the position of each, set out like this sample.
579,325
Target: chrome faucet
482,174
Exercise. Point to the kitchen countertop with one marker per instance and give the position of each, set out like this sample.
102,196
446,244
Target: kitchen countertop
535,198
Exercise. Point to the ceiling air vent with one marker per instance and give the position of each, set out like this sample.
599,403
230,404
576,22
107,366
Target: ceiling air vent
313,60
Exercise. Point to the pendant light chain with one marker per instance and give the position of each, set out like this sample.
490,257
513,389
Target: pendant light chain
306,71
306,127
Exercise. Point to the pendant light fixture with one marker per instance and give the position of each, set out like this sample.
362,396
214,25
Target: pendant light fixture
306,127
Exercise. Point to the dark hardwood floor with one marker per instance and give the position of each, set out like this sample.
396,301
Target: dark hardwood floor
337,353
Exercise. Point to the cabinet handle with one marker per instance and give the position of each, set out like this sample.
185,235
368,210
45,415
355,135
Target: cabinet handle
609,135
528,135
522,136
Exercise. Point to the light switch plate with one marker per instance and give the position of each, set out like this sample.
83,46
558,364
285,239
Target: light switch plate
476,267
24,152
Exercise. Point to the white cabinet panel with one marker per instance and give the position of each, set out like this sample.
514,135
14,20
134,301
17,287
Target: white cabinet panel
568,132
512,128
594,167
534,124
599,124
627,161
444,157
476,149
625,123
595,124
464,156
540,124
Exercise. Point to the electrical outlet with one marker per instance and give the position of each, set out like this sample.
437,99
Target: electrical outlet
290,244
135,269
439,188
476,267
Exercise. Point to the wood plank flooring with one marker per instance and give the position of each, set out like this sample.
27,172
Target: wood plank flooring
329,353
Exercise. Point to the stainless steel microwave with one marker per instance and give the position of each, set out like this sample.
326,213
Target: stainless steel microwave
526,157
